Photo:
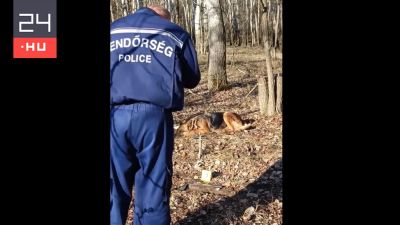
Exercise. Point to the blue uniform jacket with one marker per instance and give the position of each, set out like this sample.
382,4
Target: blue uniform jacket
152,60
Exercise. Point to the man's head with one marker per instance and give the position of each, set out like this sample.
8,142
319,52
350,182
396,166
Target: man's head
163,12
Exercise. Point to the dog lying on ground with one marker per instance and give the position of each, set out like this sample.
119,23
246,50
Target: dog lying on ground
211,122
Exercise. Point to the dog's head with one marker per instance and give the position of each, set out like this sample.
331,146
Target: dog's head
216,119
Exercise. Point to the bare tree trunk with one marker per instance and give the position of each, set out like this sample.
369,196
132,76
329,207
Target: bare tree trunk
112,13
235,24
134,5
203,25
176,10
257,22
271,80
280,27
277,20
192,17
217,78
205,31
128,4
186,16
251,23
262,94
269,22
247,23
238,25
189,19
117,14
124,9
229,21
279,94
167,5
197,25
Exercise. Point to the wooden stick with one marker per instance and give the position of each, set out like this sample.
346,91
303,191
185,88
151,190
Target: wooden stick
241,71
200,149
191,92
215,189
251,90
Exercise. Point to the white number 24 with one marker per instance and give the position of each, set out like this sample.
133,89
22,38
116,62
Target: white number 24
32,22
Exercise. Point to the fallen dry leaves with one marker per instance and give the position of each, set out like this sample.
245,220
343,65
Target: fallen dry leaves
248,165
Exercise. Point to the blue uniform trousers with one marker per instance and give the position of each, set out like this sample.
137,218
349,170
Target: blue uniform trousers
141,137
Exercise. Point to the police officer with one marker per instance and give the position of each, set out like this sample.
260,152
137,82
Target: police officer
152,60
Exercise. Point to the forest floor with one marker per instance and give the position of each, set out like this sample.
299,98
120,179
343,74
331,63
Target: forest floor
247,165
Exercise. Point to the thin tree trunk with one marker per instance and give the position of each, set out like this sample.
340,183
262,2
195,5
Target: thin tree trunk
217,79
238,26
280,27
257,22
124,11
134,5
262,94
247,22
186,20
201,30
205,31
117,14
271,80
269,22
230,19
279,94
112,14
251,22
276,27
198,25
167,4
177,16
192,17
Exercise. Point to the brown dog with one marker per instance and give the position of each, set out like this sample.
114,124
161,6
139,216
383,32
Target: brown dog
210,122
